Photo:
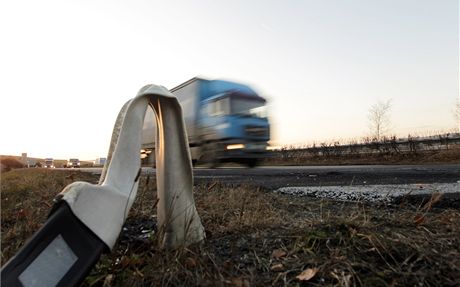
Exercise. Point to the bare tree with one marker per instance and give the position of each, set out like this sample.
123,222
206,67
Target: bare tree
379,119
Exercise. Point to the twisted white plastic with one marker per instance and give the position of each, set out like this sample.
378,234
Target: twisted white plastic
103,207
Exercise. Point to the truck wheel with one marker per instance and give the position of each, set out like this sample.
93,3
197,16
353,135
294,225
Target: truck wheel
209,156
212,161
252,162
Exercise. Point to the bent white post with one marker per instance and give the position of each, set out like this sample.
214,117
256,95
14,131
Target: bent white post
87,218
176,209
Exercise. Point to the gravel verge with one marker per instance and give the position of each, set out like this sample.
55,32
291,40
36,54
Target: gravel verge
373,193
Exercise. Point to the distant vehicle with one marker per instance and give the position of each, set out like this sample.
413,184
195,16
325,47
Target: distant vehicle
49,163
73,163
32,163
100,161
225,122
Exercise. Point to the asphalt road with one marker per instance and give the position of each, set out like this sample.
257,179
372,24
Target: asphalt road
276,177
371,183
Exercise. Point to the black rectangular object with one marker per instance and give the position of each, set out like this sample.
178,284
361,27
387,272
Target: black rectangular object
82,241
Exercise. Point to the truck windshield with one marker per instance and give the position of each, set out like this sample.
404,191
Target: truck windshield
247,107
219,107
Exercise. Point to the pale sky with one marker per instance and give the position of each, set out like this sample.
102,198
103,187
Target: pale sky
67,67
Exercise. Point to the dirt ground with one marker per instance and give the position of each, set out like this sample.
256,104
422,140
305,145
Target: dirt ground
257,238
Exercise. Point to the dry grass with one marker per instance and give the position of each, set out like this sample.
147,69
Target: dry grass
257,238
26,198
446,156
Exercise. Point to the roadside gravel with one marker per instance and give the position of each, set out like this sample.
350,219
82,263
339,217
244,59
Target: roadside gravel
373,193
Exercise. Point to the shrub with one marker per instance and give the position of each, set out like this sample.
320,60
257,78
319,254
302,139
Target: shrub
10,163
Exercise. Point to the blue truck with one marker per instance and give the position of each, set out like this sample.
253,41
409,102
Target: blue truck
225,122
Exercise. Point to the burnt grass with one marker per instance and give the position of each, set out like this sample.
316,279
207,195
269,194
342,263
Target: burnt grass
256,238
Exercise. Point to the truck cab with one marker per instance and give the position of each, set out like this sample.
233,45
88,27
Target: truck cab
49,163
234,128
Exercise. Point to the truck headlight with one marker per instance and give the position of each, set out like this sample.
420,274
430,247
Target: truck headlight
235,146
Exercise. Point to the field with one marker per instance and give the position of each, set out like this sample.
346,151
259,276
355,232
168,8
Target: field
256,238
336,156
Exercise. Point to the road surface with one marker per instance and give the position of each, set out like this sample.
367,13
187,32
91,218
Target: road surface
277,177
